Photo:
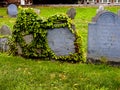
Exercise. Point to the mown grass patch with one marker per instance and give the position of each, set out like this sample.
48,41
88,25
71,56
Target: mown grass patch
17,73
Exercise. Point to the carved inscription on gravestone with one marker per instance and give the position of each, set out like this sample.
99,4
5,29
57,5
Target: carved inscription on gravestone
61,41
104,37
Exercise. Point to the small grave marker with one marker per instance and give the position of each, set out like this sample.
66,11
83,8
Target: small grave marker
3,45
12,10
4,30
71,13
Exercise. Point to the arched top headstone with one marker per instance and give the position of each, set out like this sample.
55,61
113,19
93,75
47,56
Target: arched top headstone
105,17
12,10
103,37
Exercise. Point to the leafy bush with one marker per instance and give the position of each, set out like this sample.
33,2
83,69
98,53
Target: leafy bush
29,23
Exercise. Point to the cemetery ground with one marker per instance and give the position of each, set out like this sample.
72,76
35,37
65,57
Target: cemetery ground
17,73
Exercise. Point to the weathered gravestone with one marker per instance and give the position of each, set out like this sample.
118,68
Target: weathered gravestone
61,41
4,40
4,45
12,10
104,37
28,39
4,30
71,13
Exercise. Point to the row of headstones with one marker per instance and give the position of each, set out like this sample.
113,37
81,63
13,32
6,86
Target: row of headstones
103,37
62,38
12,11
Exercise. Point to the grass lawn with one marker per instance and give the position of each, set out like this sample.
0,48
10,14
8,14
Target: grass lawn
17,73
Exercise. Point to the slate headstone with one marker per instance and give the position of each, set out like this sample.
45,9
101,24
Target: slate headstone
104,37
12,10
4,30
4,44
61,41
71,13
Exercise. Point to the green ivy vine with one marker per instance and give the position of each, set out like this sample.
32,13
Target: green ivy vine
29,23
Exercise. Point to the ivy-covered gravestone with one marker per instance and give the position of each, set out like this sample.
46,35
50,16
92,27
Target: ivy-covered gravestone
52,38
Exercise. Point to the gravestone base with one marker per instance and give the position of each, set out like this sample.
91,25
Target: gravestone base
101,58
99,61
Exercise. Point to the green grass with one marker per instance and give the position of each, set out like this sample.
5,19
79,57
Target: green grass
17,73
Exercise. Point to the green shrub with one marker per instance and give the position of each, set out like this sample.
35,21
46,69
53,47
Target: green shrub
29,23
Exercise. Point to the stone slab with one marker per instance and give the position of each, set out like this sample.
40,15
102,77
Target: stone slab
71,13
12,10
5,30
4,45
61,41
104,37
